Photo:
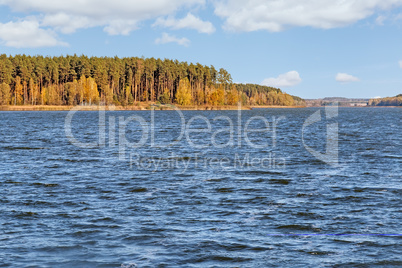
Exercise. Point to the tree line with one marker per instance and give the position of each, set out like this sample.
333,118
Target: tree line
75,80
390,101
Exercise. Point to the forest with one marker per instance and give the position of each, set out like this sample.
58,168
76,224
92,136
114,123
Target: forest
390,101
82,80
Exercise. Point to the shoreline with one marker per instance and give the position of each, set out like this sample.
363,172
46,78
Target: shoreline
357,107
276,107
148,107
140,107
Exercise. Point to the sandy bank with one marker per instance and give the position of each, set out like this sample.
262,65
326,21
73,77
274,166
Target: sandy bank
139,107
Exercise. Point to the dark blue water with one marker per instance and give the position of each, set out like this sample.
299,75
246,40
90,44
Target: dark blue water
209,200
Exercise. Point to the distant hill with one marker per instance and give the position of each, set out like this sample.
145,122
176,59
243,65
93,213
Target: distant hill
340,100
389,101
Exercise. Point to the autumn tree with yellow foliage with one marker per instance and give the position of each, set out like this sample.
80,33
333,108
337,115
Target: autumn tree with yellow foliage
183,94
18,91
90,91
232,97
216,96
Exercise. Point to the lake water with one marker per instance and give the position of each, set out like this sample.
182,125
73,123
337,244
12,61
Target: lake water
201,188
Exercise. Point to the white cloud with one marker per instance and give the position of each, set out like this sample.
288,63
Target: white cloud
117,16
66,23
345,78
166,38
288,79
275,16
121,27
27,33
400,63
70,23
188,22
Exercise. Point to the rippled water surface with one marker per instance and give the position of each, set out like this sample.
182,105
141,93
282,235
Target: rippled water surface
209,199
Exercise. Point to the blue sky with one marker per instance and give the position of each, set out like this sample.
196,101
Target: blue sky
312,49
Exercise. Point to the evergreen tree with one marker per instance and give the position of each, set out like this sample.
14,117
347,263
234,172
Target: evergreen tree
4,94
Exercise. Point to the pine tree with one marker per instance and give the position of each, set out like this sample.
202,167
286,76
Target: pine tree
4,94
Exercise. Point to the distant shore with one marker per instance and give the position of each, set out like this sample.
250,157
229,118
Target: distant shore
275,106
139,107
147,107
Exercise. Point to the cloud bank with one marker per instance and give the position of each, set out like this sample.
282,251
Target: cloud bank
276,16
117,17
288,79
